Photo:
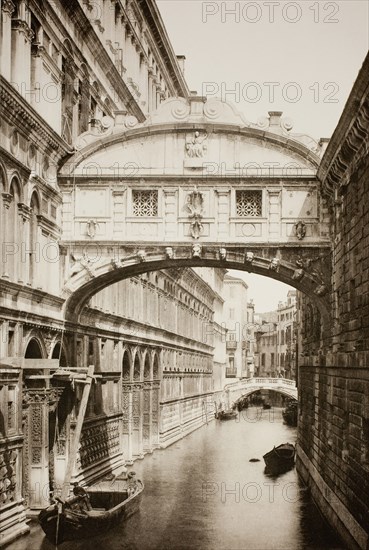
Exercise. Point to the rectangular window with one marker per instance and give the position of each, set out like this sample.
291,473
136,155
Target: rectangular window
249,203
145,203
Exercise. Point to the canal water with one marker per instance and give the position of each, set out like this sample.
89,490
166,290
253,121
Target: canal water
202,493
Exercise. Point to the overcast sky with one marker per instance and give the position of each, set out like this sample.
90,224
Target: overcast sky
301,58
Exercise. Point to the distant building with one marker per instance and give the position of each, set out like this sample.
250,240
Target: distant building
286,339
238,319
275,341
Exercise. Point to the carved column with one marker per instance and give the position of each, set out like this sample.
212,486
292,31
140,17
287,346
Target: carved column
137,417
147,417
155,414
127,421
12,514
36,447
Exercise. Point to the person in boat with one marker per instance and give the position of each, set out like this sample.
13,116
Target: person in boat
132,483
84,501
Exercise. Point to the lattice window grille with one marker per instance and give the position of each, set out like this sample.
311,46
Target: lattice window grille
145,203
249,203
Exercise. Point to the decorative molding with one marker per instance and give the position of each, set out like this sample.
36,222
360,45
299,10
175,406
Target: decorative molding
300,230
24,211
7,199
7,6
194,205
352,148
23,27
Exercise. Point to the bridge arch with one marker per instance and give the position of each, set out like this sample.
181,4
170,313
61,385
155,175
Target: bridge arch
95,276
237,391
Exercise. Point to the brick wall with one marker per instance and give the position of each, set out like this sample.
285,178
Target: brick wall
334,387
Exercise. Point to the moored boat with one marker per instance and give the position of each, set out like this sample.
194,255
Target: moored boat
227,415
92,510
280,457
290,413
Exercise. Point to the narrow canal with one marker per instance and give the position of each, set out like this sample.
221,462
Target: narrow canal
203,493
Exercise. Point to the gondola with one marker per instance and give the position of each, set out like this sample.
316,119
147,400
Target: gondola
227,415
91,511
281,457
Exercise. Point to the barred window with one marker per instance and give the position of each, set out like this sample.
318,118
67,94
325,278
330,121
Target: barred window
248,203
145,203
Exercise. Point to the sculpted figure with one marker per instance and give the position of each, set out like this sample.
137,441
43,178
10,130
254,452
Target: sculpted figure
196,147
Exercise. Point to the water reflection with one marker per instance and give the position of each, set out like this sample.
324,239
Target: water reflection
204,493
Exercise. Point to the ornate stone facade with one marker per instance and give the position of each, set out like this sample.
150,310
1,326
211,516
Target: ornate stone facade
110,174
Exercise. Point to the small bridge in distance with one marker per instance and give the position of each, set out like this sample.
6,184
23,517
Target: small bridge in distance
242,388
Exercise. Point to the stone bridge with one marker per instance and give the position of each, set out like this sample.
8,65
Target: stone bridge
234,391
194,185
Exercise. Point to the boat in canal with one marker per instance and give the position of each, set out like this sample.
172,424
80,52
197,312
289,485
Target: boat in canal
281,457
91,511
290,413
228,414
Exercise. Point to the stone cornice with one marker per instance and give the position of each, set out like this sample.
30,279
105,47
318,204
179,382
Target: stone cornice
102,57
157,29
20,112
140,131
25,291
350,139
15,163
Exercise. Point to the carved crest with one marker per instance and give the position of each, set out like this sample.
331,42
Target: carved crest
194,205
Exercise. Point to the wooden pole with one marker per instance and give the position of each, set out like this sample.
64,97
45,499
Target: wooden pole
77,433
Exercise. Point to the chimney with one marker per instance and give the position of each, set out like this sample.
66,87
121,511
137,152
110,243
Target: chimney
181,62
275,118
323,144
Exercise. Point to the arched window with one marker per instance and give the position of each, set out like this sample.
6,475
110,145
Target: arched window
126,367
33,350
147,367
136,368
59,353
156,367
